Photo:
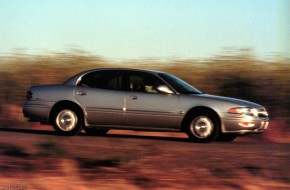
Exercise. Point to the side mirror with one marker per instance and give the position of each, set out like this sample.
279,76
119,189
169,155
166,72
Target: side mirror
164,89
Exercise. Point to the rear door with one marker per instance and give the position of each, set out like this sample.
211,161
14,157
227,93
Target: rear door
102,96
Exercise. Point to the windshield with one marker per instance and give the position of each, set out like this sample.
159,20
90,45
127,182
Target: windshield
179,85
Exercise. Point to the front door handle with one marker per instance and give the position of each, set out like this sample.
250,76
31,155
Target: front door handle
81,93
133,97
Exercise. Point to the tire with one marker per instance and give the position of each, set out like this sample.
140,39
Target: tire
67,121
96,131
226,137
202,127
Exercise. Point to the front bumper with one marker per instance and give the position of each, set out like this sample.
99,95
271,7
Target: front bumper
245,125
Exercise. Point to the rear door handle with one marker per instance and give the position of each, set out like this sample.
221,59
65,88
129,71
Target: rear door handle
81,93
133,97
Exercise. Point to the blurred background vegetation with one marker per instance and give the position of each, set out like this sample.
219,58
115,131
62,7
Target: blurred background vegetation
236,74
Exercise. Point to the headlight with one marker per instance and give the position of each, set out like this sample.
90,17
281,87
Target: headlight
244,110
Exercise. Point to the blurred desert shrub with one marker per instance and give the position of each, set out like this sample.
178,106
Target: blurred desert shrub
50,148
237,74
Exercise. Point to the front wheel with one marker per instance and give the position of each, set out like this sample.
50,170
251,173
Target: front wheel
202,128
67,121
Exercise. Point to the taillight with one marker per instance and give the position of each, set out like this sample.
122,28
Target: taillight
28,95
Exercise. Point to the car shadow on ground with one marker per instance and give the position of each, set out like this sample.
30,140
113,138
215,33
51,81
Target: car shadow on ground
83,134
175,139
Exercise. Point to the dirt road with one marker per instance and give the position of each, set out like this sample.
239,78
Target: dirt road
37,159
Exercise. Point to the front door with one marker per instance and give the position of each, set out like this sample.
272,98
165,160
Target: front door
146,107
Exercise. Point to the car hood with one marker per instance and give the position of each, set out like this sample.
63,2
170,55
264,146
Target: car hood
232,100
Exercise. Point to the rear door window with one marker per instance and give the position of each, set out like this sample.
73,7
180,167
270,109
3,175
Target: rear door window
110,80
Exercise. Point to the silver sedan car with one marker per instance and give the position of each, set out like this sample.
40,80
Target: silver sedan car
102,99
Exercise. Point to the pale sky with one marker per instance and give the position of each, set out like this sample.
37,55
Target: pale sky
133,29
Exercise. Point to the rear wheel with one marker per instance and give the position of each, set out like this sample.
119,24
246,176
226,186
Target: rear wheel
67,121
96,131
202,128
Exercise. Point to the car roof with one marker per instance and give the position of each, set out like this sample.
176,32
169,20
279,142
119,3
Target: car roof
75,79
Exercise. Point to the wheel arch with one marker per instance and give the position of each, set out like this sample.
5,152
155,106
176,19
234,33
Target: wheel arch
65,104
195,111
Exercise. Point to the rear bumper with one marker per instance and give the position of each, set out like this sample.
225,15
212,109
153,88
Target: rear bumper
36,111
